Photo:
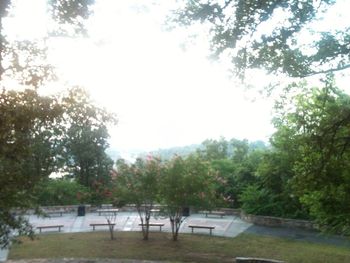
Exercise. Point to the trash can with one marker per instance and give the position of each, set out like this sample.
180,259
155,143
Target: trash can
185,211
81,210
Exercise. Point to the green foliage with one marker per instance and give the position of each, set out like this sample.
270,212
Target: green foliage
186,183
275,173
267,35
214,149
259,201
28,143
61,192
138,184
38,136
316,131
235,163
86,140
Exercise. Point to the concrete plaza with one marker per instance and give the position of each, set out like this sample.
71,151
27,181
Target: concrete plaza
227,226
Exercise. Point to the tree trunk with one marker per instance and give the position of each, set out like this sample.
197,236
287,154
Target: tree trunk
175,222
111,228
144,221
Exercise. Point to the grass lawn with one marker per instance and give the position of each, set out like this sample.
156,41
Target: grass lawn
189,248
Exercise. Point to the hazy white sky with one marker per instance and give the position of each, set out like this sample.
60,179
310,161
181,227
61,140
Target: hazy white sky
163,96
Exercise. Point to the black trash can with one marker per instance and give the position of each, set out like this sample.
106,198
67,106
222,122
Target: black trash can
185,211
81,210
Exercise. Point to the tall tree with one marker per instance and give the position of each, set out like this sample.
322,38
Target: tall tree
28,141
86,139
317,127
267,35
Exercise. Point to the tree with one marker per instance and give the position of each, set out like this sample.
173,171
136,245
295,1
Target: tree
138,184
27,144
66,12
186,183
60,191
275,175
85,140
318,127
235,169
36,140
71,12
267,35
214,149
111,219
4,5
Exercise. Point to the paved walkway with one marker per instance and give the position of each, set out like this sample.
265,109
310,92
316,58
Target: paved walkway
228,226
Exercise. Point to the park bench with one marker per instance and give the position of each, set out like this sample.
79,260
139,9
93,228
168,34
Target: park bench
54,212
101,224
215,213
201,226
154,224
107,210
50,226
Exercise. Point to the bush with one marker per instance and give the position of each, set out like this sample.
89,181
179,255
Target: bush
259,202
61,192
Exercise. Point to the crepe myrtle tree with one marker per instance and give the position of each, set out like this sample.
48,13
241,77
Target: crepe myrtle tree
138,184
111,219
188,182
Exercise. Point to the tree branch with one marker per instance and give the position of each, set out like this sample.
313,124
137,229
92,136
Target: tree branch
325,71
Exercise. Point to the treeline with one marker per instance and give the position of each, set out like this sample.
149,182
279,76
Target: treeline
304,173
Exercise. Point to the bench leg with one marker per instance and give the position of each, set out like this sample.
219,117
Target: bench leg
59,229
160,228
210,231
40,229
192,229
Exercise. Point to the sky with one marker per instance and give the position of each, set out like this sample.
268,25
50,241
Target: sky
163,95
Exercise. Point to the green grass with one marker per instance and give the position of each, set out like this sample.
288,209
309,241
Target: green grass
189,248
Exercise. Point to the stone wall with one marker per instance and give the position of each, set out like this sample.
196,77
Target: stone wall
277,221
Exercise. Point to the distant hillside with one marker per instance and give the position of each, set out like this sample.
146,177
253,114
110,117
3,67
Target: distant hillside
166,154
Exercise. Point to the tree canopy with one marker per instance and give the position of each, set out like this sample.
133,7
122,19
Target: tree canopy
28,144
316,130
275,35
39,135
69,13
